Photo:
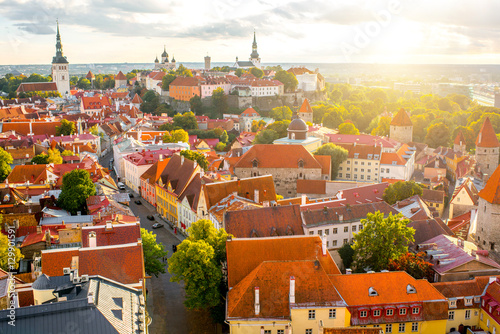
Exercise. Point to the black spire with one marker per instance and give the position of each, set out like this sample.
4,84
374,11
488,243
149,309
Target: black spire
59,58
254,53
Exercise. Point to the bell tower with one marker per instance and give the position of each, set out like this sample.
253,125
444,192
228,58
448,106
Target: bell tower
254,56
60,67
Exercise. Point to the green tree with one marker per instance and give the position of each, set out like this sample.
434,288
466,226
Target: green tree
239,72
281,127
68,153
196,156
438,135
281,113
198,263
348,129
186,121
54,156
288,79
219,101
381,240
167,80
5,162
333,119
258,125
8,252
257,72
196,105
166,127
66,128
176,136
154,253
182,71
224,137
266,137
83,83
77,186
41,159
220,146
346,254
337,153
382,128
401,190
94,130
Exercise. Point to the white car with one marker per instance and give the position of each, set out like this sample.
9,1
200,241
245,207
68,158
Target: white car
121,186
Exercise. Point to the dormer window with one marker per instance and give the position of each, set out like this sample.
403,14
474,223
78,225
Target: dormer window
415,310
453,303
389,312
477,299
372,292
376,313
410,289
363,314
402,311
255,164
468,301
301,164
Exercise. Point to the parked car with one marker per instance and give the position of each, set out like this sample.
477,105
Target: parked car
137,202
131,195
121,186
157,225
150,217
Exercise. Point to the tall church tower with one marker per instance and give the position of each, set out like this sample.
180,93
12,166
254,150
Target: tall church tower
60,67
254,56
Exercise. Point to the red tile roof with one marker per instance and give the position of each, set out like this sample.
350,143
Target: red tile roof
185,81
31,173
401,119
264,222
120,76
37,87
117,235
95,102
491,191
295,248
90,75
278,156
299,70
326,164
473,287
306,107
428,229
459,139
250,112
137,99
388,158
487,136
37,128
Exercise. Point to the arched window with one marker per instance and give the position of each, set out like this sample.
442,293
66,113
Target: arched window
301,164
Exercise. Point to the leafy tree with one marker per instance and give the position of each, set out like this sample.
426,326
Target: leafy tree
333,119
196,105
281,127
281,113
149,96
66,128
438,135
167,80
219,101
41,159
401,190
176,136
224,137
336,96
338,154
77,186
94,130
414,264
54,156
239,72
151,101
68,153
288,79
196,156
182,71
382,128
220,146
5,162
348,129
266,137
166,127
198,263
346,254
186,121
83,83
7,253
381,240
257,72
258,126
154,252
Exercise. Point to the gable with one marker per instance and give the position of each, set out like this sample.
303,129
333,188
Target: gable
471,266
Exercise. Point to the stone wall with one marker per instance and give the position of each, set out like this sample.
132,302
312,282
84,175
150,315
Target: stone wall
487,231
240,102
401,133
179,106
487,161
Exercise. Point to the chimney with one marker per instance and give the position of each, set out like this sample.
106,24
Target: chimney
348,271
323,244
292,290
182,160
256,195
160,157
47,238
303,199
109,226
92,239
257,303
38,229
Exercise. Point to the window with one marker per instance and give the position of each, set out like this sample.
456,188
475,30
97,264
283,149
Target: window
363,314
389,312
348,176
355,176
309,331
388,328
362,163
415,310
481,316
362,177
401,328
488,323
320,232
267,331
453,303
334,231
334,243
345,241
414,327
312,314
360,227
346,228
362,170
467,314
368,177
280,331
355,169
332,314
340,174
402,311
327,231
354,228
451,315
376,313
311,232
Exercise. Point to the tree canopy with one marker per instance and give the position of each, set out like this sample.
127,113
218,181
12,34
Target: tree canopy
281,113
381,240
219,102
167,80
196,156
438,135
266,136
5,161
257,72
66,128
6,253
337,153
176,136
348,129
76,188
54,156
401,190
288,79
414,264
186,121
154,253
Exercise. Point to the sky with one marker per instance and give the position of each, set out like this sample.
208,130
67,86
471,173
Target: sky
288,31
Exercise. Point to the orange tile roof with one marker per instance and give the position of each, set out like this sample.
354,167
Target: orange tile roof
90,75
312,287
361,150
278,156
326,164
491,191
23,173
137,99
487,136
185,81
459,139
294,248
120,76
21,153
474,287
38,128
311,186
388,158
390,287
95,102
37,87
306,107
299,70
401,119
250,112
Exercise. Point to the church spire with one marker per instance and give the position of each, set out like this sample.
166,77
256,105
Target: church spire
255,54
59,58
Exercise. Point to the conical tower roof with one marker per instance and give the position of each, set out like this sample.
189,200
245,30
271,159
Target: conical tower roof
120,76
459,139
491,191
487,136
401,119
306,107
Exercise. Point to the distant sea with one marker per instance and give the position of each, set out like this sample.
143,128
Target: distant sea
340,70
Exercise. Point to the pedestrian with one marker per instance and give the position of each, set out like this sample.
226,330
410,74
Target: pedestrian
173,248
